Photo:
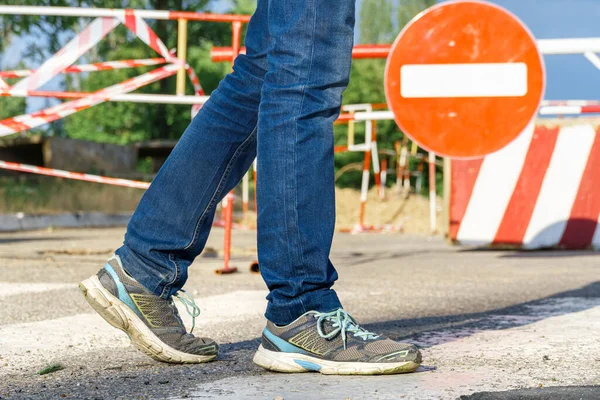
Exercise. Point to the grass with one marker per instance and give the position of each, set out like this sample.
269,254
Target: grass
51,368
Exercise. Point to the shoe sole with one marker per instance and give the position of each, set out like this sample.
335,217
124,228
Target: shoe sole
295,362
119,315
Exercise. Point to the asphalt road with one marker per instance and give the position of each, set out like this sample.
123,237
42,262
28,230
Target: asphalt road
487,321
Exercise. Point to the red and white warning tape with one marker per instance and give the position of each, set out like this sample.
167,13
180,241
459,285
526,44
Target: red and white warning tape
66,56
570,110
86,12
100,66
73,175
570,103
16,124
140,29
195,81
132,98
62,60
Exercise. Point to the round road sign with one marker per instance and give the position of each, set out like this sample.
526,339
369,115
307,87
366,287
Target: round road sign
464,78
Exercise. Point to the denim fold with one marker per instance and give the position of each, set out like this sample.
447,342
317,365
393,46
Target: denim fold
277,105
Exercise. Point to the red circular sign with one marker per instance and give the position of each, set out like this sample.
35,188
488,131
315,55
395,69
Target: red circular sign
464,78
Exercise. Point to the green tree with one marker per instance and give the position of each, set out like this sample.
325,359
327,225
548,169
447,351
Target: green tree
130,122
375,24
124,122
408,9
46,29
11,107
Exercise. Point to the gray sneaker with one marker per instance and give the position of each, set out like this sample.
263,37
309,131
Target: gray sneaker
152,323
333,343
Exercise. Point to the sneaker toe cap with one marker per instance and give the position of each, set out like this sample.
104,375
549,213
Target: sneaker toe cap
204,346
410,353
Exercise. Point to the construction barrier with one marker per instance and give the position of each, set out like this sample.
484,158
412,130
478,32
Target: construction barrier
540,191
466,225
62,62
58,173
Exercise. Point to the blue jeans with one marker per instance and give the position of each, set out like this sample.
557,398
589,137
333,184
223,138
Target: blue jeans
278,105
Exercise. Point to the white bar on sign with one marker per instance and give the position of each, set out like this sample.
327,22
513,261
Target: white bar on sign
463,80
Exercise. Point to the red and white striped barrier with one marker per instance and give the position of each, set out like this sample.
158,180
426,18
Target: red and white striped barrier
32,169
115,12
570,110
220,54
540,191
107,20
131,97
101,66
62,60
66,56
16,124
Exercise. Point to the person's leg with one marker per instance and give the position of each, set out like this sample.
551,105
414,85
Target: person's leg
169,228
173,219
308,69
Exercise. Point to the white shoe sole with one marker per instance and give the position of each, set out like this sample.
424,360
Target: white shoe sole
119,315
295,362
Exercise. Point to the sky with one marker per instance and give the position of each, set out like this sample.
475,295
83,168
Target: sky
568,77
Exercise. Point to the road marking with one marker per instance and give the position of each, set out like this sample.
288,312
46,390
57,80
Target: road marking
463,80
234,306
459,361
12,289
77,334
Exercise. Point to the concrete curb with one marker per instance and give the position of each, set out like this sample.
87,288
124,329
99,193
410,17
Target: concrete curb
24,222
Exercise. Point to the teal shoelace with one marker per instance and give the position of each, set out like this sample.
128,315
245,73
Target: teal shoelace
190,306
342,323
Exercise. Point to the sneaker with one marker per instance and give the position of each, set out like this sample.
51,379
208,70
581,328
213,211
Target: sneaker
152,323
332,343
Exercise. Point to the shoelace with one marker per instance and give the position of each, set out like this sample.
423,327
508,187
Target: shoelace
341,322
190,306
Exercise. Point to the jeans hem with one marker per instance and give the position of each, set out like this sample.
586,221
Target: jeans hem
132,265
324,300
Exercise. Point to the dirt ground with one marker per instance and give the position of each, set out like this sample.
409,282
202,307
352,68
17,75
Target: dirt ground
408,214
396,212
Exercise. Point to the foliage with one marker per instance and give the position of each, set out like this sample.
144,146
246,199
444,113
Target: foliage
408,9
124,123
376,25
129,122
12,106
